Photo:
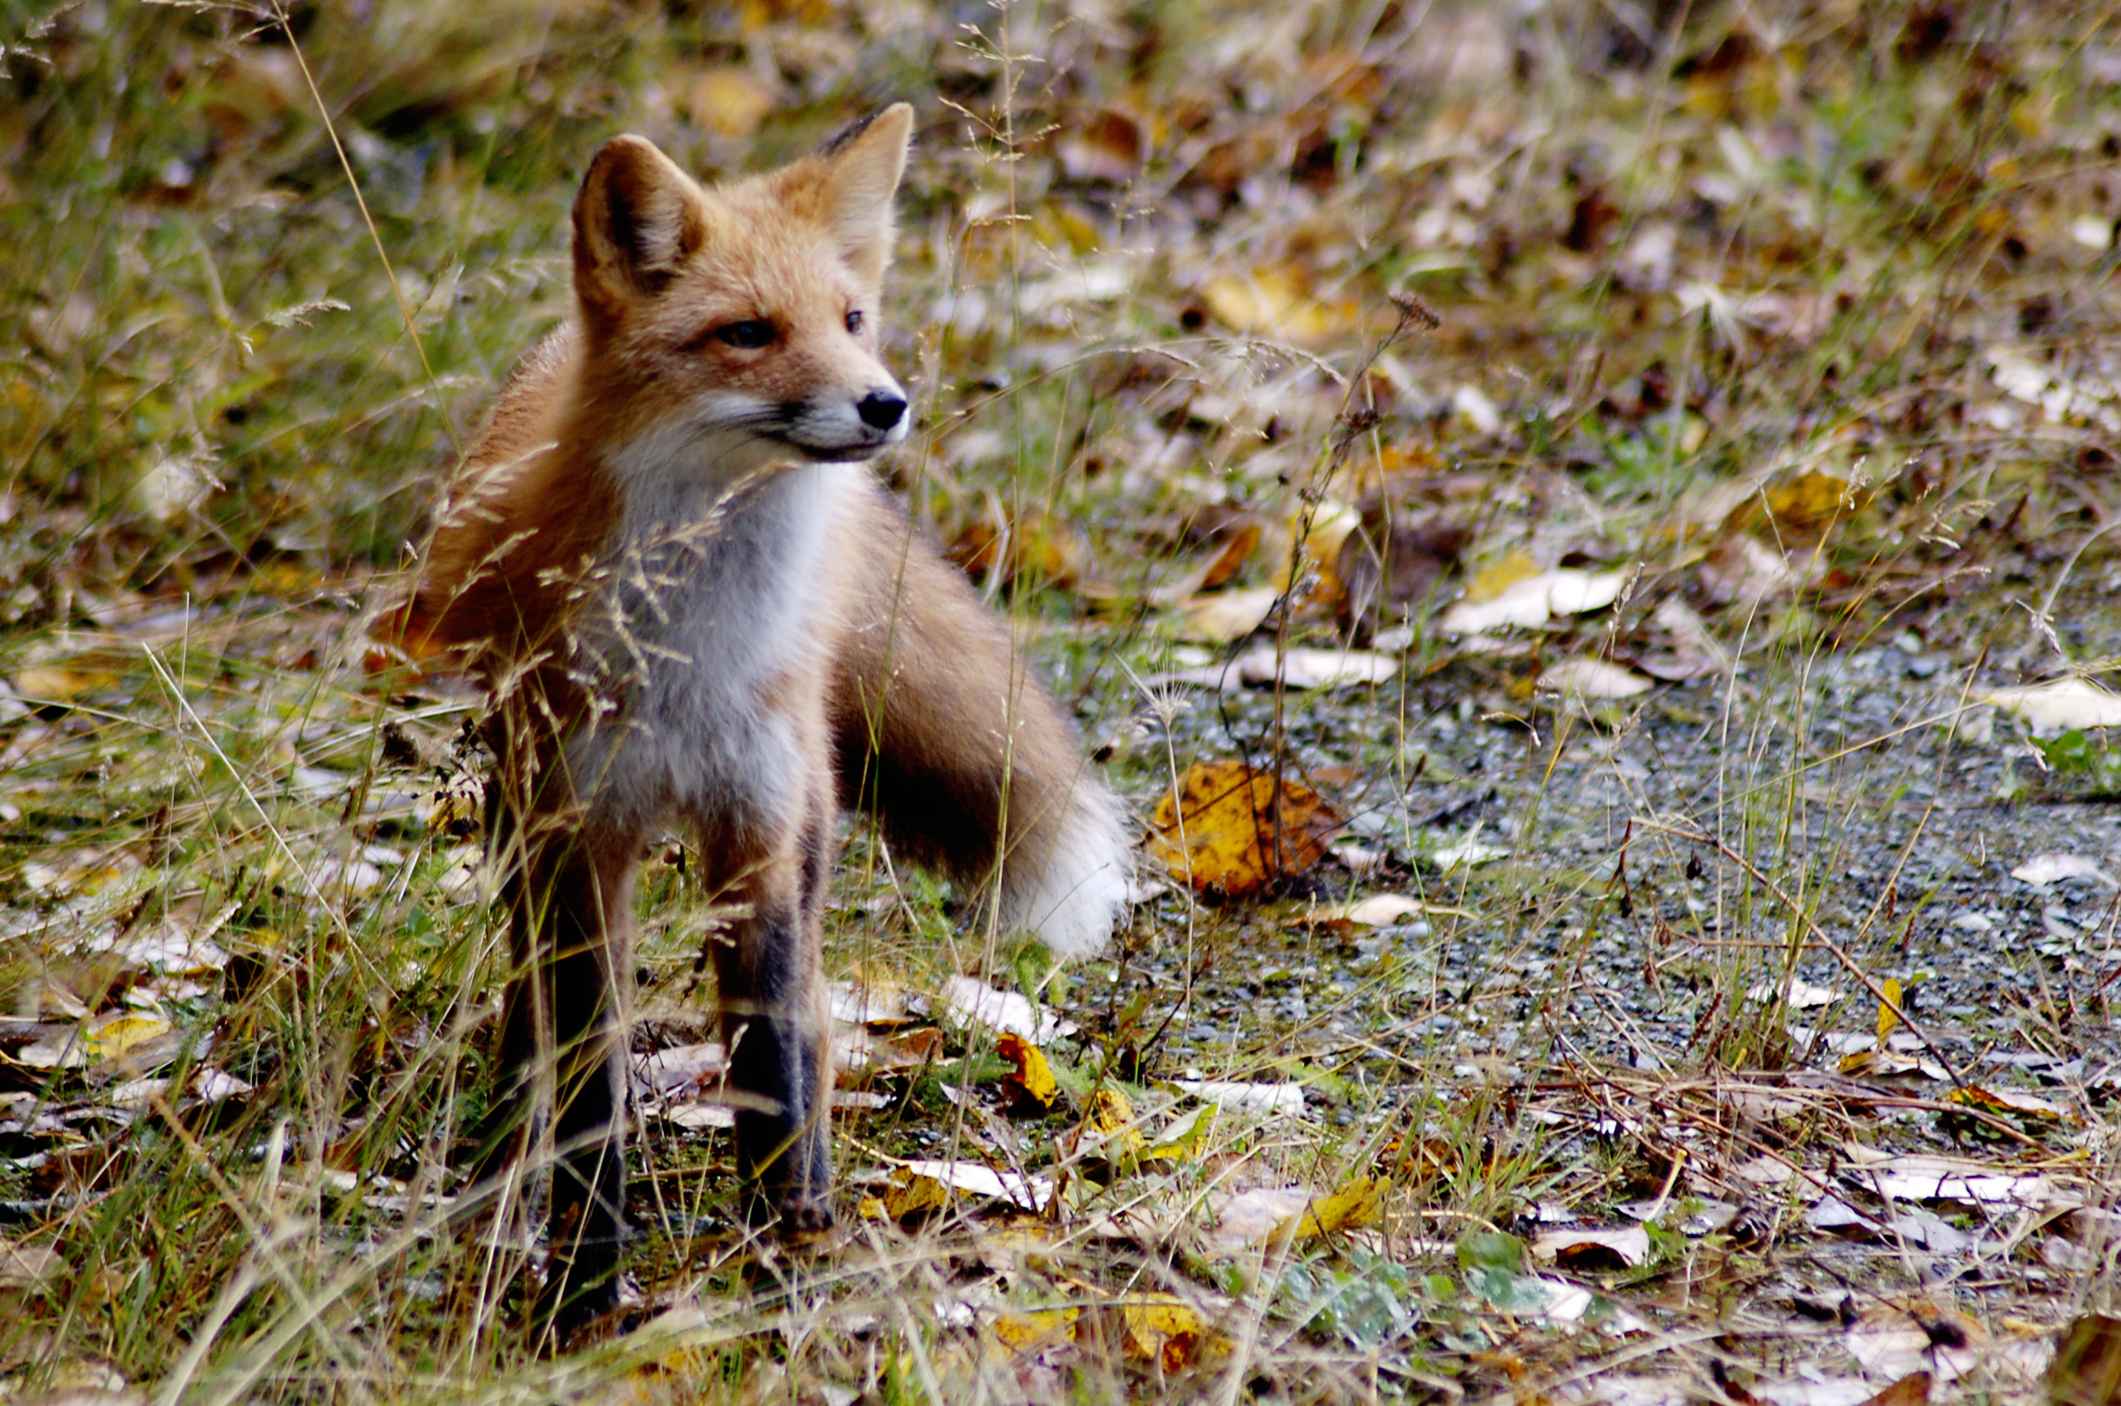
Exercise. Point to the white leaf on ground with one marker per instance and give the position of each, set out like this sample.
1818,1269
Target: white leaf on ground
1467,853
1298,668
2044,869
1319,668
694,1115
1472,403
1803,995
1250,1098
1223,616
978,1179
29,1266
1629,1244
970,1002
2060,704
1891,1342
868,1003
1377,911
1922,1177
1532,602
1246,1218
2061,398
681,1068
1592,678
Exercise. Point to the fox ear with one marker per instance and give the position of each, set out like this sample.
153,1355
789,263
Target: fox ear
636,220
862,169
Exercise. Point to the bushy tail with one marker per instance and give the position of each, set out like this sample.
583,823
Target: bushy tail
945,736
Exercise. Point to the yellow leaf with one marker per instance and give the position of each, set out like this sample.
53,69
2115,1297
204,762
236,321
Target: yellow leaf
1492,580
912,1195
1031,1078
1022,1332
1810,501
1169,1333
1112,1119
1357,1204
121,1033
1185,1142
2007,1102
1886,1019
1273,302
728,100
1240,831
872,1208
61,683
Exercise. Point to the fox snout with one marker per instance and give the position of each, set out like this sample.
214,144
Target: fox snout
843,427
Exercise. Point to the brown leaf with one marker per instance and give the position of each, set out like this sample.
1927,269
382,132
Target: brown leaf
1385,566
1232,829
2087,1366
1108,145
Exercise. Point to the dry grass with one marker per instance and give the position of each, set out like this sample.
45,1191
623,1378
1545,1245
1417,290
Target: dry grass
1801,310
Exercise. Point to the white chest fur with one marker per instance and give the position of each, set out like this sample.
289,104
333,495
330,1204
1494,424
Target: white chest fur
710,602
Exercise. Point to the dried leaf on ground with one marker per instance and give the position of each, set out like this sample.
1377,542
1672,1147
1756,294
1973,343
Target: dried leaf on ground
1594,1249
2060,704
2087,1366
1234,830
2044,869
1531,603
971,1002
1030,1077
1249,1098
1592,678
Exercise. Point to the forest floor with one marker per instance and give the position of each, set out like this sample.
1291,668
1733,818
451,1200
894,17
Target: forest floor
1675,963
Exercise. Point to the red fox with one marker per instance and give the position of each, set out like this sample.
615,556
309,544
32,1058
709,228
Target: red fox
690,604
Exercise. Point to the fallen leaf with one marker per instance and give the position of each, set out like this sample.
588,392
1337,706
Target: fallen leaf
1249,1098
2044,869
1030,1077
2009,1102
1379,910
1801,996
970,1002
1028,1332
2087,1366
1467,853
1263,665
1031,1193
1921,1177
1112,1118
2060,704
728,100
1536,600
1911,1390
1592,678
1886,1019
1606,1248
1169,1333
61,683
1272,301
1185,1138
1251,1217
1357,1205
29,1266
1233,830
1227,615
1108,145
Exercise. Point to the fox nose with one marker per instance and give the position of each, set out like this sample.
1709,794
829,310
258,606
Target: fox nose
880,410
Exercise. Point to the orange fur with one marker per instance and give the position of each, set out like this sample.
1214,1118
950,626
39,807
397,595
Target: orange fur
688,607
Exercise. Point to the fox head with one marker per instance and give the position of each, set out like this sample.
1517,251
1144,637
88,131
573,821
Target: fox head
744,313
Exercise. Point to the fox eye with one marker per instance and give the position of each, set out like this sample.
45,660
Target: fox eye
750,334
854,320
